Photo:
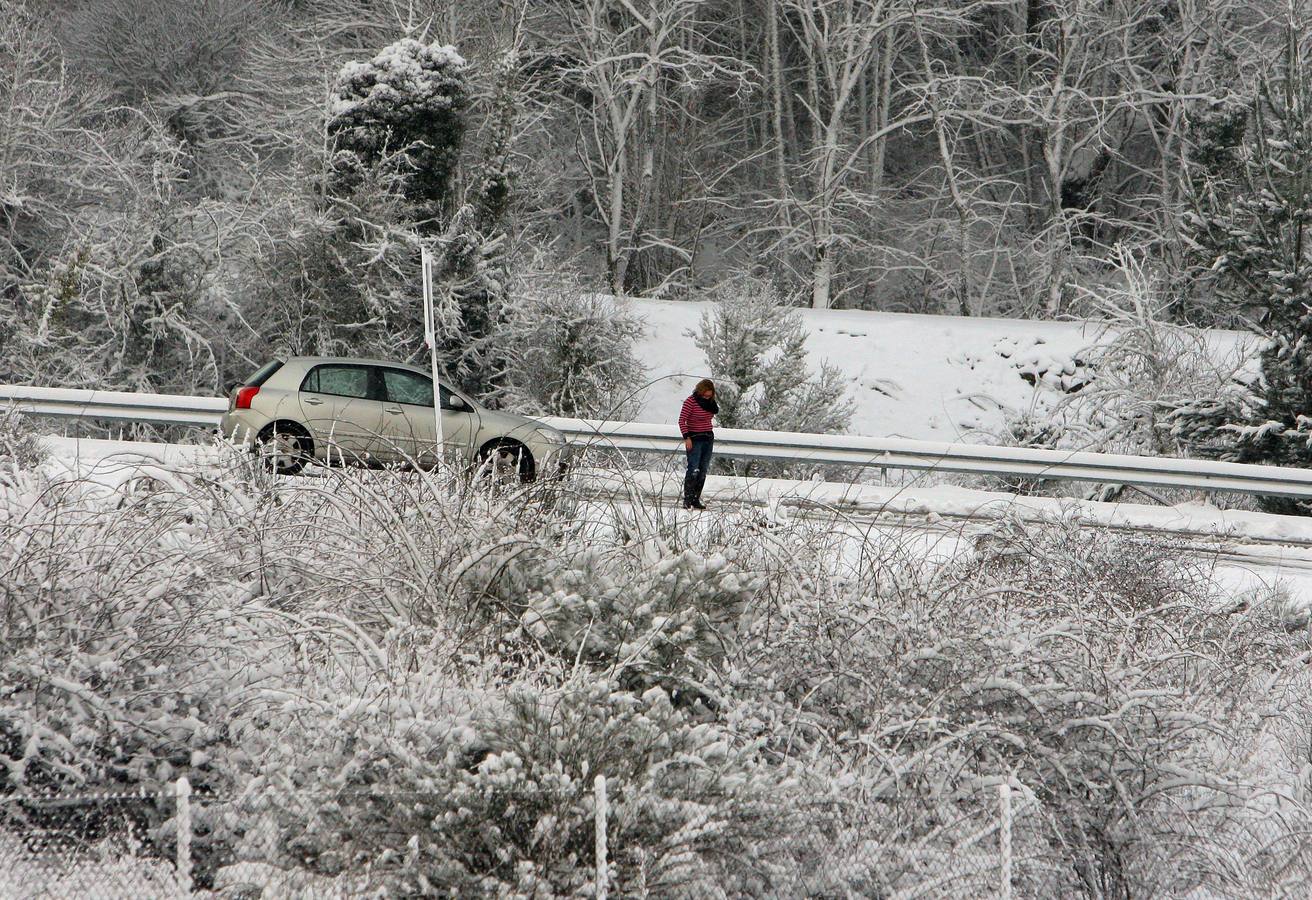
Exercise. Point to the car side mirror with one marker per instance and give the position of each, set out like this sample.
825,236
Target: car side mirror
455,403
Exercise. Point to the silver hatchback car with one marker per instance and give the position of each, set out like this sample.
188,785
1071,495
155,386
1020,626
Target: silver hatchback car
374,412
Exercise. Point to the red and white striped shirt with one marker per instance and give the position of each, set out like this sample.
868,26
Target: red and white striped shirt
693,419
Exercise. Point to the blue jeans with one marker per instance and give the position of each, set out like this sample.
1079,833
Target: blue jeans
699,462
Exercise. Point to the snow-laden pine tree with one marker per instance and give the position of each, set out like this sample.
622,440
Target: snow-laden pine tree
403,115
406,105
1251,183
474,255
755,346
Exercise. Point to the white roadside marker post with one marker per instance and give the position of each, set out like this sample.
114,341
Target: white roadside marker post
430,338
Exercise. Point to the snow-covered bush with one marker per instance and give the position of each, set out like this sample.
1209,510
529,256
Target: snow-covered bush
407,683
21,447
570,353
755,348
648,622
1146,371
500,802
1143,385
1104,672
101,614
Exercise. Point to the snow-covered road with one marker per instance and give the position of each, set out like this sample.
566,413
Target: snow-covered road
1251,549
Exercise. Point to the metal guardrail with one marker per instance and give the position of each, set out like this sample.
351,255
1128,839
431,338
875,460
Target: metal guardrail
815,449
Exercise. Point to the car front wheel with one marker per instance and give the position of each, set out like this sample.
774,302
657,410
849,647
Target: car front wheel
506,459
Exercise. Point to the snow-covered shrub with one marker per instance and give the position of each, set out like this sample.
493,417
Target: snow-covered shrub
21,447
647,622
1103,672
101,614
409,99
407,682
125,648
500,802
570,353
1146,372
1144,385
755,347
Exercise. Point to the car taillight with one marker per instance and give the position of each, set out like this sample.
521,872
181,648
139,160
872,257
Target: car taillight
244,397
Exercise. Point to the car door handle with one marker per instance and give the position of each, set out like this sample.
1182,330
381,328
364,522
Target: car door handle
312,401
394,410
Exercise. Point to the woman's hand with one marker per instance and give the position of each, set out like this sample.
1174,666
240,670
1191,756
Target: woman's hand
687,443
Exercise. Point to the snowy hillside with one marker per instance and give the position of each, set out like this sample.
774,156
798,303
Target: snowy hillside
928,377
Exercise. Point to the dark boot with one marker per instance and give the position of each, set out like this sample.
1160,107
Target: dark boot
689,490
697,491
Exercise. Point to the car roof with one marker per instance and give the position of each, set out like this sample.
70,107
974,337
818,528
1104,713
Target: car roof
352,360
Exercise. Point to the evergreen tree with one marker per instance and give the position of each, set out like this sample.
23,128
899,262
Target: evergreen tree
1251,182
402,117
756,350
404,108
474,260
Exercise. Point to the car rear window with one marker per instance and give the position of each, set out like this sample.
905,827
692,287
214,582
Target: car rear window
263,373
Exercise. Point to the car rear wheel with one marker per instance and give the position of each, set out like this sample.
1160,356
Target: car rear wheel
286,447
506,459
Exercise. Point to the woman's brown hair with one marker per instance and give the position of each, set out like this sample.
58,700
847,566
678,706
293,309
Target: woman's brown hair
704,385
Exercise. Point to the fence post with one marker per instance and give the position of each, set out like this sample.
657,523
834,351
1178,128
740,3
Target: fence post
1004,839
183,819
603,875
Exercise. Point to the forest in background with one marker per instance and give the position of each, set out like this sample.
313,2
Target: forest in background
174,204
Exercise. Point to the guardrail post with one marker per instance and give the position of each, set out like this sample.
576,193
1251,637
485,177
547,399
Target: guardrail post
182,792
603,875
1004,840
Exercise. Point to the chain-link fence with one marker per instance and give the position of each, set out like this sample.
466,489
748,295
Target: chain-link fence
600,840
95,845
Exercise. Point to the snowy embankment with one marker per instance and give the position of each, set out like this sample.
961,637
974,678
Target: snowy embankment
915,376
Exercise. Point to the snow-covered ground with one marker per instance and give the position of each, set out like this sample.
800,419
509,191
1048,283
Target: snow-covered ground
1252,549
914,376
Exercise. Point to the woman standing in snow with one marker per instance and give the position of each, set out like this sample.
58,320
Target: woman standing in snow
698,439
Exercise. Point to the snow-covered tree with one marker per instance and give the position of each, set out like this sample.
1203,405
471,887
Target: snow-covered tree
1249,228
474,259
625,66
756,349
409,99
575,355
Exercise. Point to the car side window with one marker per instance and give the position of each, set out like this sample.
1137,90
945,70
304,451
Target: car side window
407,387
340,381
